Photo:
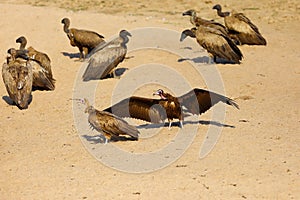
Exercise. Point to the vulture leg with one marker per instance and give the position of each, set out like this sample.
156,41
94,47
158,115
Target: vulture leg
86,52
170,124
181,123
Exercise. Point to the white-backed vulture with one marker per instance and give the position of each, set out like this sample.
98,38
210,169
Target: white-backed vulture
215,42
242,27
41,66
111,126
17,77
85,40
105,58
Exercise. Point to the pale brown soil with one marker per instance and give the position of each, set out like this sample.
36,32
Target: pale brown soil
42,156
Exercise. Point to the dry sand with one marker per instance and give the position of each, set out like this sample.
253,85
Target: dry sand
42,155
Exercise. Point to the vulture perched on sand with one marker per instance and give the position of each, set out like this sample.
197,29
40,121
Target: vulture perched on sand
17,77
85,40
41,66
240,26
216,43
150,110
105,58
197,21
111,126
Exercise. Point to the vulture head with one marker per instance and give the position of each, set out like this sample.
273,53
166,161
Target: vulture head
124,33
22,40
189,13
217,7
160,93
88,106
188,32
23,53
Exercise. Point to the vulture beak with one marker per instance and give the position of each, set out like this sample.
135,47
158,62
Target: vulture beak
189,12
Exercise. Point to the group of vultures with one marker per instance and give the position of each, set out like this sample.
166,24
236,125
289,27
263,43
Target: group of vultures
27,69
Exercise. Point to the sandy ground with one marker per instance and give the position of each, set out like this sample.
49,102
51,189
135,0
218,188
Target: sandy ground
256,157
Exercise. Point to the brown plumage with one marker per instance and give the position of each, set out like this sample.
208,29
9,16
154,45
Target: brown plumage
242,27
85,40
215,42
111,126
198,101
151,110
17,77
105,58
198,21
41,66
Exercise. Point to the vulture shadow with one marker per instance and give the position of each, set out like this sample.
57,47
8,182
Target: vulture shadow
71,55
207,60
96,139
10,102
202,122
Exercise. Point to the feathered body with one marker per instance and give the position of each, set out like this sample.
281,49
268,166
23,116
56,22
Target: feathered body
105,58
17,77
85,40
242,27
215,42
41,66
109,124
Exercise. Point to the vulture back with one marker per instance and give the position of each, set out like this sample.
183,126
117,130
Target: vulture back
17,77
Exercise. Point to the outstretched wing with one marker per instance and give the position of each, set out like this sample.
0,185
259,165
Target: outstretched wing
139,108
198,101
102,62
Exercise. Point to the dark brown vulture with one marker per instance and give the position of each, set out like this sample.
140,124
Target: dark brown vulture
197,21
241,26
198,101
215,42
17,77
111,126
151,110
105,58
85,40
41,66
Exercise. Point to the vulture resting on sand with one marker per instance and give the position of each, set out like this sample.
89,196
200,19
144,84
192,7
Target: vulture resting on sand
41,66
239,25
17,77
111,126
85,40
218,44
103,60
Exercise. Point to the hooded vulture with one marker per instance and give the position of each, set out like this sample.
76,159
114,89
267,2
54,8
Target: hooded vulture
17,78
240,26
215,42
41,66
150,110
111,126
85,40
103,60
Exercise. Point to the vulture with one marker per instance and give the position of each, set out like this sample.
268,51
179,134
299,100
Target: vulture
17,77
241,26
197,21
41,66
109,124
105,58
215,42
85,40
150,110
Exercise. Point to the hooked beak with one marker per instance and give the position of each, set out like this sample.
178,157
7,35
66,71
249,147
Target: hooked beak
189,12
